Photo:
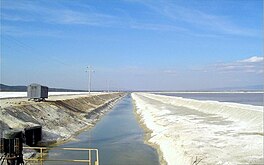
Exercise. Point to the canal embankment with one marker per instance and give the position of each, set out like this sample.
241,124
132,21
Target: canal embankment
61,117
148,134
189,131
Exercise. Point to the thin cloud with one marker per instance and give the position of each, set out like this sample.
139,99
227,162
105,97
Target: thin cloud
34,12
159,27
206,25
172,72
16,18
254,59
73,17
250,65
19,32
199,19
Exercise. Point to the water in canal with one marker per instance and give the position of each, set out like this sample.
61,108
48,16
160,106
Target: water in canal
118,137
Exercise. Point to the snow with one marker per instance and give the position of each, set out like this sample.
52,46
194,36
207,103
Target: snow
189,131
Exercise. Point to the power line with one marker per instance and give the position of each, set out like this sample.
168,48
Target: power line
108,84
32,50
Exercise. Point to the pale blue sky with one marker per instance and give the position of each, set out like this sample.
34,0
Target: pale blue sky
134,44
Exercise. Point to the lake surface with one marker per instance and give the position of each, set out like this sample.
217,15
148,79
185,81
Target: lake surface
243,98
118,137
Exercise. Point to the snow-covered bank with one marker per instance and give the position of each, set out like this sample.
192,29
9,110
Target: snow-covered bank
189,131
238,112
60,119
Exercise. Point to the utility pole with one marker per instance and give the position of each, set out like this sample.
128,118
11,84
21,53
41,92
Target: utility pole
89,70
107,83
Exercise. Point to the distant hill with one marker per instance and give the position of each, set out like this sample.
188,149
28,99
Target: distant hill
7,88
12,88
244,88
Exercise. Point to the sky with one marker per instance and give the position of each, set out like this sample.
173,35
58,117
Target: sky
132,44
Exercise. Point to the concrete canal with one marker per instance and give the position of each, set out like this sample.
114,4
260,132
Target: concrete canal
118,136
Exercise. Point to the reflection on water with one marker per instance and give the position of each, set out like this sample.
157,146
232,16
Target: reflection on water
118,137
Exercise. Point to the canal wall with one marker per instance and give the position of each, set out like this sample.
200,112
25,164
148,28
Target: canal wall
60,119
188,131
